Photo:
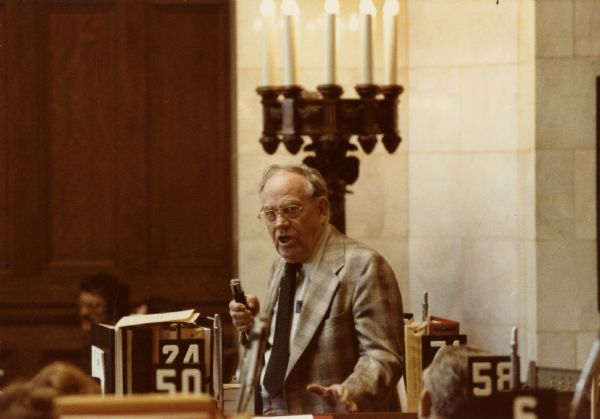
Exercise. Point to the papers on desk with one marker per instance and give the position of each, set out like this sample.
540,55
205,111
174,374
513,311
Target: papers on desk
184,316
98,366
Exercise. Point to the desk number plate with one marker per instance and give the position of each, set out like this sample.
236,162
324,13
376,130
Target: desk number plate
180,367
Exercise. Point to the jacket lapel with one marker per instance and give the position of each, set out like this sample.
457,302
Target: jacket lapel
323,284
273,291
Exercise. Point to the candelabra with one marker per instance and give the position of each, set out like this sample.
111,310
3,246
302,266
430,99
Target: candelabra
330,121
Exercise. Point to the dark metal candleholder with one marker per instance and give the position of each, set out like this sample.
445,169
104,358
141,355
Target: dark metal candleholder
289,113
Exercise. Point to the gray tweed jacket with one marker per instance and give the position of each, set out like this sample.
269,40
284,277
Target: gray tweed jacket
350,330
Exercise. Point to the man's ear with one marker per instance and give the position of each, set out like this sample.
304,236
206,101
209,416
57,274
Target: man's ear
425,405
323,206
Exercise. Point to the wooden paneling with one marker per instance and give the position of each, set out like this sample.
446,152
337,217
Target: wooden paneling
131,137
25,152
78,130
115,155
3,148
186,132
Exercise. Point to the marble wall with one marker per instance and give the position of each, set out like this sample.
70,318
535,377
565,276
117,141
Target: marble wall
489,203
470,166
567,64
377,209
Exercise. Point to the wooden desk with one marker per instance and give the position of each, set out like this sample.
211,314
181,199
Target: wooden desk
360,415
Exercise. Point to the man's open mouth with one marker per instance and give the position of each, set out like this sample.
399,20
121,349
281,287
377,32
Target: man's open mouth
284,239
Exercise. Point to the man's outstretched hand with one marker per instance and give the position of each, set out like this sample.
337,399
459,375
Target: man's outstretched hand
335,396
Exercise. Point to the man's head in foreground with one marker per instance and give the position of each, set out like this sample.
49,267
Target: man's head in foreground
445,382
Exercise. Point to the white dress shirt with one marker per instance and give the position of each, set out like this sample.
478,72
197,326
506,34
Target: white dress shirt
302,284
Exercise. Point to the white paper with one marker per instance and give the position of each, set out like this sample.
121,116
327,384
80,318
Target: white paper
185,316
98,366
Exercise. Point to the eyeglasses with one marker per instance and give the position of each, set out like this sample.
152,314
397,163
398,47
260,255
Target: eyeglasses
268,216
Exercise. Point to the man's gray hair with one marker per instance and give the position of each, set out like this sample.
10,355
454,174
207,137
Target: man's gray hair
316,184
446,380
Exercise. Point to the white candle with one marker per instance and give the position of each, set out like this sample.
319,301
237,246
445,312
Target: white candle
267,10
367,10
331,10
289,9
390,40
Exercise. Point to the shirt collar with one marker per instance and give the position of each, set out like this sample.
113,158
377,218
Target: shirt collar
311,264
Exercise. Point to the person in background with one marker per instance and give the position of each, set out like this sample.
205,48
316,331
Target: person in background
445,383
336,330
34,399
103,298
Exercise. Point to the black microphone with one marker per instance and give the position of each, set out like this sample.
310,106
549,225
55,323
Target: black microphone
239,297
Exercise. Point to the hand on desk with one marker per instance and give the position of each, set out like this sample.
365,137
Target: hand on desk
335,395
243,316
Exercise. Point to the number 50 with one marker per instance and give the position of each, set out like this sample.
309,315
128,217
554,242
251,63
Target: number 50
191,380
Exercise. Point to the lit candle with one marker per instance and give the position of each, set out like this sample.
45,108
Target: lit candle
390,40
332,8
267,11
367,11
289,9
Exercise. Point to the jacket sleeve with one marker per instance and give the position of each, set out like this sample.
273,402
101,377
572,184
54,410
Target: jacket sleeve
378,320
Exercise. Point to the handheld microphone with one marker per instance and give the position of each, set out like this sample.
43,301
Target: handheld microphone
239,297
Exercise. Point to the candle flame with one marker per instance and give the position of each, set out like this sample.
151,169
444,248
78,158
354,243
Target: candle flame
367,7
391,8
267,8
332,7
290,8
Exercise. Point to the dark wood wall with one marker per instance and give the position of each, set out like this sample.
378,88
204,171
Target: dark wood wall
115,155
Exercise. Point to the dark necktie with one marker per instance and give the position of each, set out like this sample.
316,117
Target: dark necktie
280,352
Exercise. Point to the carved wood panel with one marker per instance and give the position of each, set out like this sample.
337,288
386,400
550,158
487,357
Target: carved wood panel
115,156
3,148
77,128
185,129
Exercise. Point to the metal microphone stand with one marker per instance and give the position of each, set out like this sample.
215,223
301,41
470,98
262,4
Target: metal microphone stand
590,370
252,363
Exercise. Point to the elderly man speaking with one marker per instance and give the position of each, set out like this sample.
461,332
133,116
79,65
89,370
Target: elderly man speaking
336,331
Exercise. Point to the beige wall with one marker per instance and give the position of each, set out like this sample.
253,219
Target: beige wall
489,203
471,164
377,211
567,63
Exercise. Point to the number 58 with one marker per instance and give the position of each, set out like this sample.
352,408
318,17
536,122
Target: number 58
482,376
